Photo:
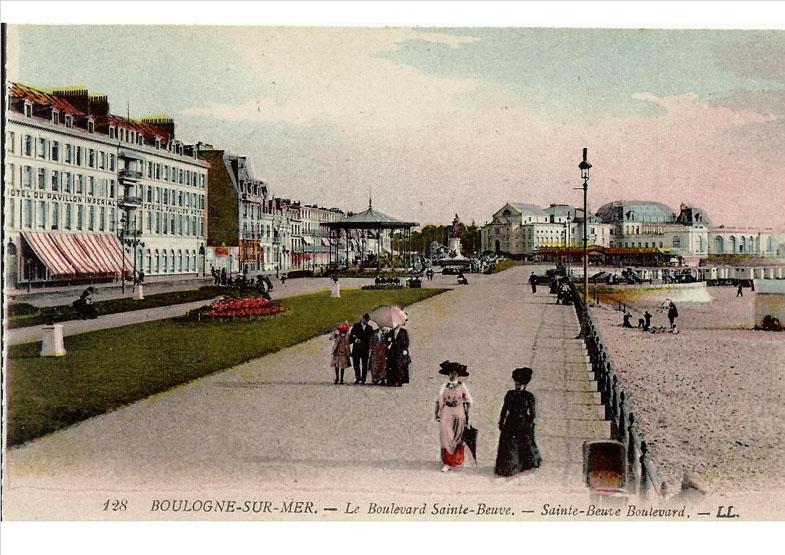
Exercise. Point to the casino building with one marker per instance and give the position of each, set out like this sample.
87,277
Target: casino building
627,230
89,195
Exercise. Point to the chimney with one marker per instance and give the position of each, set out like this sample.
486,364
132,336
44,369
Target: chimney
98,105
162,124
77,97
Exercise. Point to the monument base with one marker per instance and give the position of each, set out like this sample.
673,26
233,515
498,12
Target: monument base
52,341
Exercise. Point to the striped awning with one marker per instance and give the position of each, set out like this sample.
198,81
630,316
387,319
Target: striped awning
47,252
76,255
80,254
105,250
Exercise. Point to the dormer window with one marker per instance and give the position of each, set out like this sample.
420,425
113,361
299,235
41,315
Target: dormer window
56,118
158,142
139,139
112,132
90,126
28,110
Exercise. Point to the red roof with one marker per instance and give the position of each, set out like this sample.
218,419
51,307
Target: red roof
148,131
38,96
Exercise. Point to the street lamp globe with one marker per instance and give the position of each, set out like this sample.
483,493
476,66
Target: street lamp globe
584,166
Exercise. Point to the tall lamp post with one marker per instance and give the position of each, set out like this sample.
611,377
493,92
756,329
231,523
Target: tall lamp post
129,238
585,167
567,230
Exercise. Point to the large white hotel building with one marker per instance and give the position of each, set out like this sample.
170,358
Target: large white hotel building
65,160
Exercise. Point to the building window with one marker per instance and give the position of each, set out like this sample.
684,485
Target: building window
180,176
55,180
171,224
149,222
28,110
102,160
90,126
78,155
41,214
101,218
111,132
41,178
11,212
56,117
676,242
91,188
28,213
42,148
91,158
69,121
158,222
55,215
91,218
149,170
158,171
111,188
55,151
68,216
80,184
79,217
166,196
111,162
112,219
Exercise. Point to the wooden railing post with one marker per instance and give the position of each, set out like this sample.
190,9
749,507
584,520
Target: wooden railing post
622,424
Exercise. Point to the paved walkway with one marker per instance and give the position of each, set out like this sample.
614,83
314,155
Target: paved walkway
278,429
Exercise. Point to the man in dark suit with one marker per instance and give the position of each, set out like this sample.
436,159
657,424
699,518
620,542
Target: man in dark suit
398,359
360,340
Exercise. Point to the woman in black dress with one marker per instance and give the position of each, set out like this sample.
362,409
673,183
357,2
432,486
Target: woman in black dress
517,449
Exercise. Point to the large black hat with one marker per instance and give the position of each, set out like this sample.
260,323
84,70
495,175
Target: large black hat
447,367
522,375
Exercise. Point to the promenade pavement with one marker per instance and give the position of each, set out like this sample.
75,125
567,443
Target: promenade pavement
278,429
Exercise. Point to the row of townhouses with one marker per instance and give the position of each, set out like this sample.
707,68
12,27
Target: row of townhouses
635,227
89,195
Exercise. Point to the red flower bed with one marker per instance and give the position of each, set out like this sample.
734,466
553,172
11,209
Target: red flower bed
233,308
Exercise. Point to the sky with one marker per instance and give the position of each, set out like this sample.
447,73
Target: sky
431,122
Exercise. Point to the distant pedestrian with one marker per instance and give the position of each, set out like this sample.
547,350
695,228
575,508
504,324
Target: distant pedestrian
673,313
223,276
284,277
627,323
518,451
398,358
340,353
533,282
360,340
377,360
452,409
739,292
646,321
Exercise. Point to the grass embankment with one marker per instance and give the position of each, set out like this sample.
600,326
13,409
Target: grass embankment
21,315
505,264
107,369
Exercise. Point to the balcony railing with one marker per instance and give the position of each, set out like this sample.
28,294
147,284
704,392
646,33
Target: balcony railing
130,201
130,175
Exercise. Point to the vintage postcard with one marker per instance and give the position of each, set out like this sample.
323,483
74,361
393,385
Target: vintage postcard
393,273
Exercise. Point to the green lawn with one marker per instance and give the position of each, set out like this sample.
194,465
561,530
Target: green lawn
107,369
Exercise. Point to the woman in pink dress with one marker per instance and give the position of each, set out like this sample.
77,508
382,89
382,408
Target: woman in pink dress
340,358
452,407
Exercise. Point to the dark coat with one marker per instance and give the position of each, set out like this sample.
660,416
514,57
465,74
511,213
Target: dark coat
397,347
359,338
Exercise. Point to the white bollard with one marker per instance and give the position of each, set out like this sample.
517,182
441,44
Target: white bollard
139,294
52,341
335,291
